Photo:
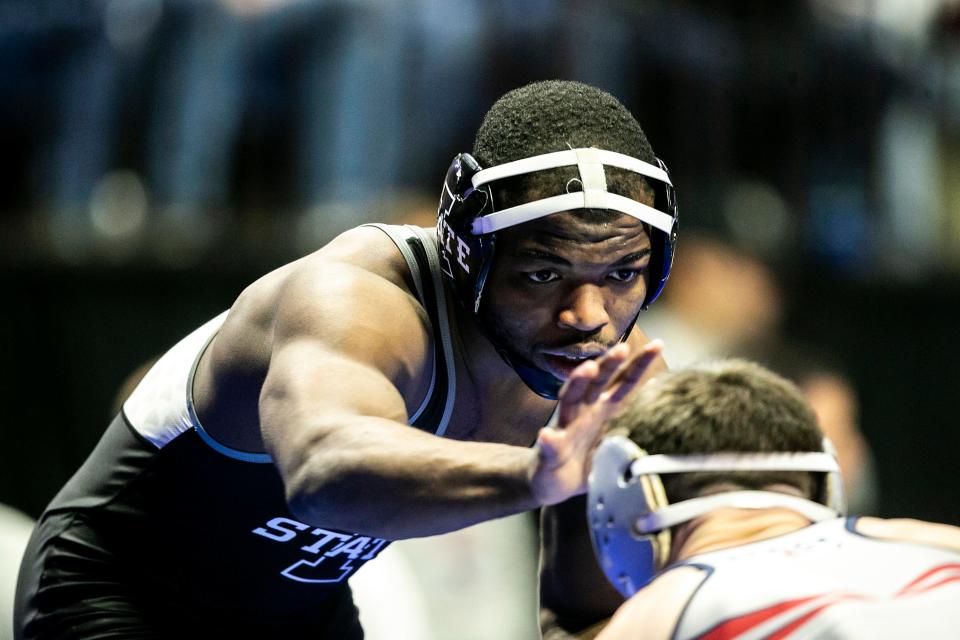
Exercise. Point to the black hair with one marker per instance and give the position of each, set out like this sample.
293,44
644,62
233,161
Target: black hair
555,115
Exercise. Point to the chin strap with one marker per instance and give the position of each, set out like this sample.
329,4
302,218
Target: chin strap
543,384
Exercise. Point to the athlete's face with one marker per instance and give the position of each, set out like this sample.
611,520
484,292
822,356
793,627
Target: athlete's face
563,288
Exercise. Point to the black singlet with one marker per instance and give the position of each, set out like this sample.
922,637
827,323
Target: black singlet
163,532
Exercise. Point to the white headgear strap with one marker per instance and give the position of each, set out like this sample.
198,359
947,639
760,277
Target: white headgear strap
673,514
590,163
687,510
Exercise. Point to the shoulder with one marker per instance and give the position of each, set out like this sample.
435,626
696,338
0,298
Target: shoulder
351,295
909,530
654,612
363,256
369,249
352,270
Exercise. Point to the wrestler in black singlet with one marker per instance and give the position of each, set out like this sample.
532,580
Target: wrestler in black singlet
165,533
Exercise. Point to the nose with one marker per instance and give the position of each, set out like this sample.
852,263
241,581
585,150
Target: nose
585,310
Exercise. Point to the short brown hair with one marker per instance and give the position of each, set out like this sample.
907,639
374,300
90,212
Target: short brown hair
733,406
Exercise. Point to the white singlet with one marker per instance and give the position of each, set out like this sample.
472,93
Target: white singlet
825,581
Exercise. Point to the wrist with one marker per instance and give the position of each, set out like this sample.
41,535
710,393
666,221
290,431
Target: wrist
545,486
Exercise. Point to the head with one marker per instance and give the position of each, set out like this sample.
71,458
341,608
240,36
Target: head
556,256
728,406
717,435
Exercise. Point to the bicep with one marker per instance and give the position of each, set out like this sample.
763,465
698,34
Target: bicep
309,387
342,351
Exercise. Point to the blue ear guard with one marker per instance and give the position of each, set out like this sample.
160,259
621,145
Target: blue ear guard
628,558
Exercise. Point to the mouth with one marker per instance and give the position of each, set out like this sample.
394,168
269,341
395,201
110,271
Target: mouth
561,363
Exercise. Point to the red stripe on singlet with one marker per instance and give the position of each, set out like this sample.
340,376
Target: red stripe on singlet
735,626
914,586
747,622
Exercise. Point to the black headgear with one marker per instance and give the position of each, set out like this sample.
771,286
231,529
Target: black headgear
468,220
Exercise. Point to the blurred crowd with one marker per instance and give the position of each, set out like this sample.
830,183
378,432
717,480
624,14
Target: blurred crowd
167,130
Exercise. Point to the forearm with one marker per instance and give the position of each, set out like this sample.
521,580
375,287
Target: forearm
385,479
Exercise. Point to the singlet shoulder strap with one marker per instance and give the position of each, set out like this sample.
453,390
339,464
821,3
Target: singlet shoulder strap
423,261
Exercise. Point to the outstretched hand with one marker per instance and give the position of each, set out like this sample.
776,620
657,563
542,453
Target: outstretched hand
593,393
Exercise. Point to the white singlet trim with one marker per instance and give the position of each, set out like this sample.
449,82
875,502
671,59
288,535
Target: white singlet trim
230,452
161,407
417,282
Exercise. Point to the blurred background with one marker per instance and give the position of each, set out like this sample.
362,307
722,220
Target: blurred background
158,155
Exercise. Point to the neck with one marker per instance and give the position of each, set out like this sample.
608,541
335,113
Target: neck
730,527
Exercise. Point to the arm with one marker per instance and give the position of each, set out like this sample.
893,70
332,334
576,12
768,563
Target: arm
333,417
908,530
347,346
575,595
652,614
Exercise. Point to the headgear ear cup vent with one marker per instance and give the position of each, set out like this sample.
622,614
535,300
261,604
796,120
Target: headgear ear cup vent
629,558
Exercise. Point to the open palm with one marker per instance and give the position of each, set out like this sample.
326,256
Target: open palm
593,393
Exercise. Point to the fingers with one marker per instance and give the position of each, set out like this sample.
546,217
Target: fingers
611,376
573,392
608,365
588,381
629,374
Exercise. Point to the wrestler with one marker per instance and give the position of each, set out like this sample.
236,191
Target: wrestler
395,383
716,507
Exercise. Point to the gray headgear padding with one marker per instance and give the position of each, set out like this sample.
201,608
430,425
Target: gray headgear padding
630,518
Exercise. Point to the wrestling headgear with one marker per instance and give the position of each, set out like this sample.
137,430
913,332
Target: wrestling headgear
630,518
468,221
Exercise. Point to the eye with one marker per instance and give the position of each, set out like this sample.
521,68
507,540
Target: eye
543,276
624,275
